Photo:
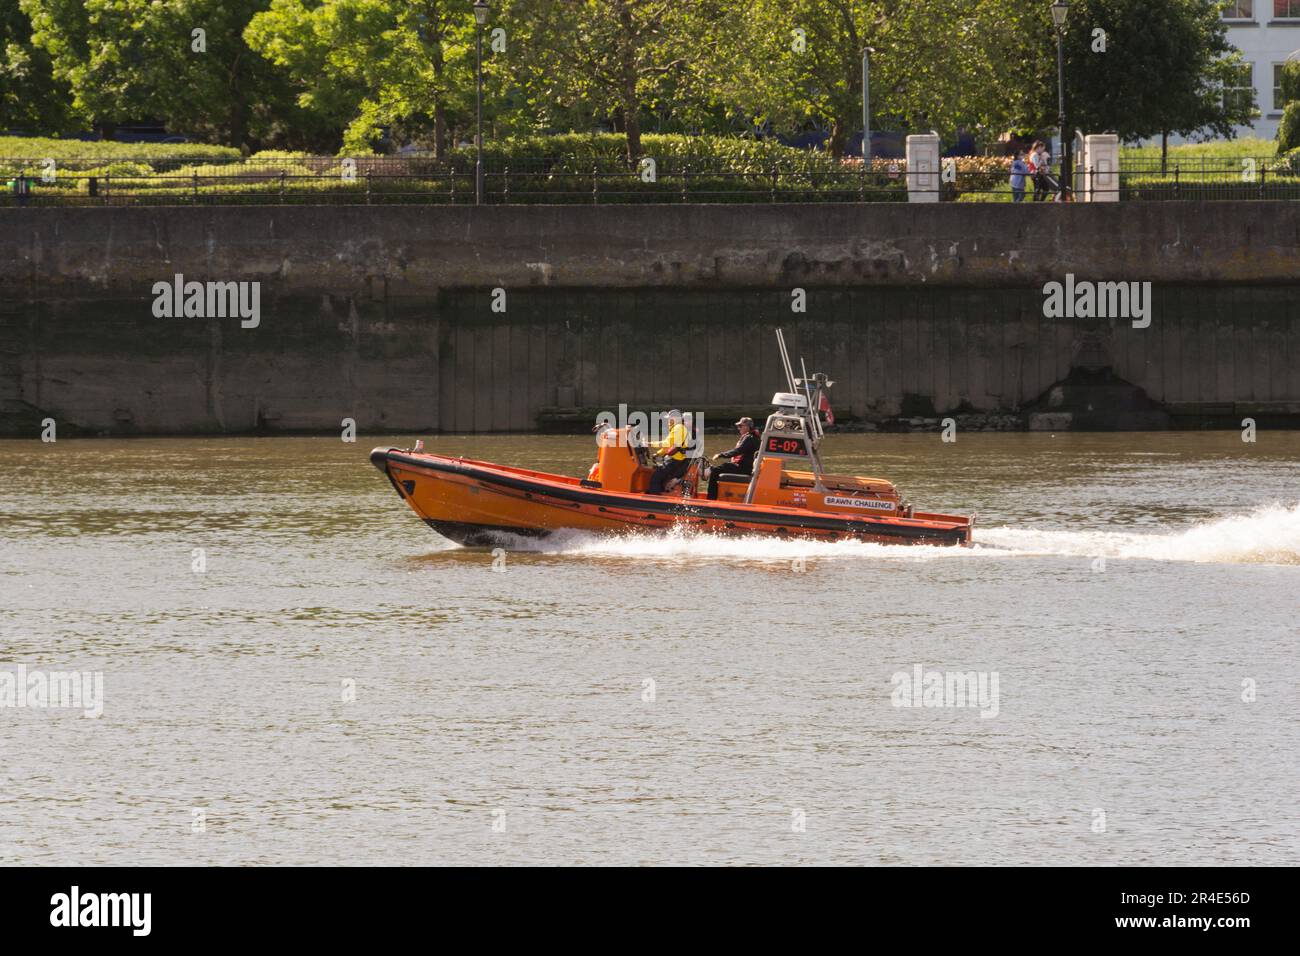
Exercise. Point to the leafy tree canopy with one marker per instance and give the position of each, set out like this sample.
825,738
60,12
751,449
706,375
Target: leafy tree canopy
307,73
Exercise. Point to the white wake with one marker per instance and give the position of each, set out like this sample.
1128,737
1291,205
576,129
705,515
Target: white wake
1267,535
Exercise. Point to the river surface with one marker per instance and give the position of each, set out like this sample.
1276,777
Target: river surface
296,670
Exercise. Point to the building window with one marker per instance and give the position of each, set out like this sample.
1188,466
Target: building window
1278,103
1240,91
1286,9
1239,10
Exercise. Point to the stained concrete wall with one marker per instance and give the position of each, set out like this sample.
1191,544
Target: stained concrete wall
103,367
375,251
383,314
891,351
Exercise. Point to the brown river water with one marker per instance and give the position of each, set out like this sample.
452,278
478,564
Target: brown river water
295,670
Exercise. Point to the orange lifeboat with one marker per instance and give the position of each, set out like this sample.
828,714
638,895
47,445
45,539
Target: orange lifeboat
788,494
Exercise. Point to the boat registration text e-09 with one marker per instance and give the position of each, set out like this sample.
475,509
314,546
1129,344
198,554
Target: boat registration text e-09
777,445
835,501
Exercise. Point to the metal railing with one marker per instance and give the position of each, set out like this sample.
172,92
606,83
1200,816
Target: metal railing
419,180
401,180
1210,178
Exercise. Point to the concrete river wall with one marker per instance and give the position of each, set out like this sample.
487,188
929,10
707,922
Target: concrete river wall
424,319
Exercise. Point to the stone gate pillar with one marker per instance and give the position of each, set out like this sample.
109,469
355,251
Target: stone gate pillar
1101,175
923,168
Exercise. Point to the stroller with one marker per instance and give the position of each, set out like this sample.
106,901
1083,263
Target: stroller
1046,185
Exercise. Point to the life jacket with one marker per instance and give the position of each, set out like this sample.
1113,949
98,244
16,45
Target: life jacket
737,459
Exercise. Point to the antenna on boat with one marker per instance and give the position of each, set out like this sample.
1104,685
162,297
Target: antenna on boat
785,360
814,416
792,432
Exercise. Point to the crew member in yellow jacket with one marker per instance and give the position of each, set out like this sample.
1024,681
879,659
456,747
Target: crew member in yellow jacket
673,449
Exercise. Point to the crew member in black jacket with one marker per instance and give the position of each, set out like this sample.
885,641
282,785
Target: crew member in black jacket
742,456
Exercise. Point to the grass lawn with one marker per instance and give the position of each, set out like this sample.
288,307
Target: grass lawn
1222,149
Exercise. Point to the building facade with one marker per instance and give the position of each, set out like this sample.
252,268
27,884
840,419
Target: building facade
1266,32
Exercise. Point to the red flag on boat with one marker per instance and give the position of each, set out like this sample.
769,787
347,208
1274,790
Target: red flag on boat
825,409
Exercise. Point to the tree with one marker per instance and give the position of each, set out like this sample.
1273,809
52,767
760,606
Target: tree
370,64
948,63
607,59
302,71
1137,68
1288,130
183,62
936,63
30,97
782,63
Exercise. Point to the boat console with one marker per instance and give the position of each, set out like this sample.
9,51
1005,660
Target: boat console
788,468
623,460
787,471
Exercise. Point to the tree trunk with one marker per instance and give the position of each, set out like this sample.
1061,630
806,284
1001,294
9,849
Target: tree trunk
439,131
237,118
627,64
237,135
633,123
439,107
839,138
1164,152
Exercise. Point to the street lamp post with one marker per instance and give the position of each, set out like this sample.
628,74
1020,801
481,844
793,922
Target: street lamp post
1061,10
866,108
481,10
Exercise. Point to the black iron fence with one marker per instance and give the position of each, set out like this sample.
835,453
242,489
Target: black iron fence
402,180
396,179
1244,177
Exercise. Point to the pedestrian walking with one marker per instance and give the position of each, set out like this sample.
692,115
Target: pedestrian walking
1019,170
1040,167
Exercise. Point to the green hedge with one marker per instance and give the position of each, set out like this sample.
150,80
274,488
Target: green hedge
661,146
1290,160
185,190
80,154
561,169
570,168
67,176
1160,188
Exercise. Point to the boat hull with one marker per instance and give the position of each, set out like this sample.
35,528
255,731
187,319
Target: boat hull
482,504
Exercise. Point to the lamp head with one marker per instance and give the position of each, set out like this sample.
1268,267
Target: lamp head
481,10
1060,10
